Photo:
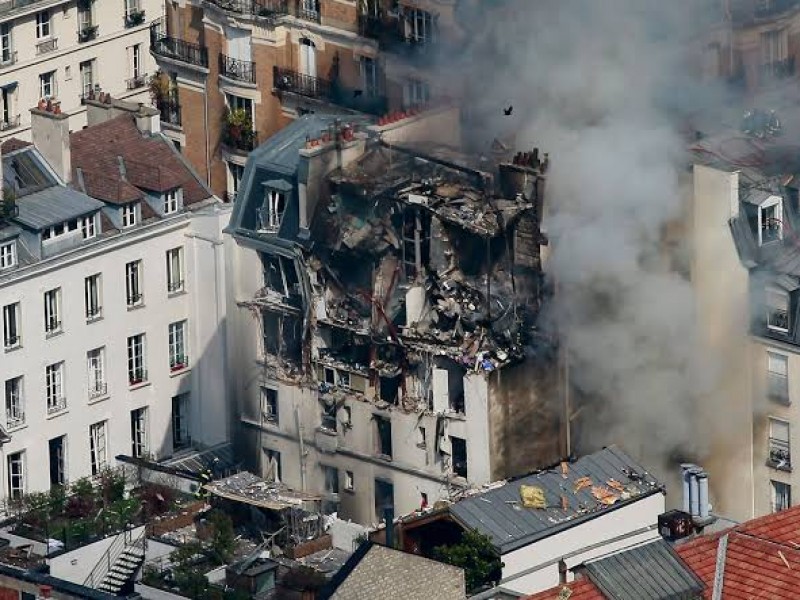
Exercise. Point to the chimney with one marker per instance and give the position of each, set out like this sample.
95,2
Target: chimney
50,135
702,485
148,119
687,502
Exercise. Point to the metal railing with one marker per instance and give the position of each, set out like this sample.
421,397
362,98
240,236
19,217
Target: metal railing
177,49
170,110
87,33
240,70
52,326
94,312
265,9
136,82
308,14
55,405
111,556
15,418
287,80
779,454
98,390
239,139
47,46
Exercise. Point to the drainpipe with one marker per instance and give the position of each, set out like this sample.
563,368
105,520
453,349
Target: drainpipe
302,448
208,143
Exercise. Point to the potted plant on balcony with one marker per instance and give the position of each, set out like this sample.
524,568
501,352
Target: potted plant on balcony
178,363
239,129
134,17
159,87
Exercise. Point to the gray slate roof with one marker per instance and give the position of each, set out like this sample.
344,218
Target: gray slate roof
499,514
54,205
653,571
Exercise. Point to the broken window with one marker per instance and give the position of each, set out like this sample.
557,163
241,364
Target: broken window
777,310
770,217
421,439
269,405
58,466
280,275
349,483
384,498
272,465
331,475
416,242
390,389
779,445
383,436
282,335
329,418
781,495
271,213
459,448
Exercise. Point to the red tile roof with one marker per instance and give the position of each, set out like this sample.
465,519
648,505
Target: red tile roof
104,151
762,561
12,144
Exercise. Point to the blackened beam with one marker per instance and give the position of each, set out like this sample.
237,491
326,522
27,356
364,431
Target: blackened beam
483,179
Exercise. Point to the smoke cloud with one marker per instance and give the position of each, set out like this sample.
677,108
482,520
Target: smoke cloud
603,87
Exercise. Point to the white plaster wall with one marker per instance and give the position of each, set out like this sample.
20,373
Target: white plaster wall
203,379
109,49
583,542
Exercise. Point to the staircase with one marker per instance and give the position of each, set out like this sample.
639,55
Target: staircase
119,564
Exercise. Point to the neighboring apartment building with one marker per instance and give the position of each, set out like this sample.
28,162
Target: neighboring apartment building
385,350
236,71
67,49
744,268
112,299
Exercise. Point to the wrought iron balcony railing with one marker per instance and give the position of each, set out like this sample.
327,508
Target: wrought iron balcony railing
98,389
287,80
134,17
170,47
87,33
308,10
47,46
238,138
240,70
137,82
265,9
170,110
55,405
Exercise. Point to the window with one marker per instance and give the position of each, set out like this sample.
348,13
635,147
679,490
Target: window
174,270
136,61
133,283
419,26
7,117
91,295
272,465
383,436
779,445
15,402
6,47
96,360
139,447
235,173
52,311
774,47
16,475
777,310
349,483
369,76
129,214
97,447
416,93
309,7
88,230
87,77
459,449
781,496
43,24
11,326
8,255
271,212
131,6
422,440
84,16
269,404
181,433
54,376
171,201
137,372
240,103
770,221
308,63
177,346
47,85
329,417
331,475
384,498
778,377
58,461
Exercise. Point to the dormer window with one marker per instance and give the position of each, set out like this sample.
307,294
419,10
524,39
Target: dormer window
777,310
171,201
8,255
271,212
129,214
88,227
770,221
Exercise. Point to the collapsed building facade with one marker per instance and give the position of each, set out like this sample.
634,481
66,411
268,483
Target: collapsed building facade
387,352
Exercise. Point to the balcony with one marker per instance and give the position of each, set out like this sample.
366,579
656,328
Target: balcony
8,58
779,455
239,136
46,46
134,83
778,388
11,122
390,33
239,70
286,80
261,9
170,110
98,390
87,34
55,405
134,17
15,418
175,49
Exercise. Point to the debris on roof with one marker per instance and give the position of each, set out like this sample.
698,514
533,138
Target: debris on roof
250,489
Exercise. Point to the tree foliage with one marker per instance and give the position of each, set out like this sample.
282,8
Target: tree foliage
476,555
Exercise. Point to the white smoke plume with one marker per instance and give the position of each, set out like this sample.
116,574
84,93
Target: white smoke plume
603,87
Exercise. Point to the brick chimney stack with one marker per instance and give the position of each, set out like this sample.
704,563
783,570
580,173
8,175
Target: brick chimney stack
50,135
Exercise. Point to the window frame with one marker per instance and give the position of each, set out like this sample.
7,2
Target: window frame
47,81
52,311
54,387
140,444
174,258
8,255
12,322
775,495
178,356
44,26
171,201
137,359
180,421
98,447
14,399
93,296
773,293
96,372
18,491
130,215
134,295
270,410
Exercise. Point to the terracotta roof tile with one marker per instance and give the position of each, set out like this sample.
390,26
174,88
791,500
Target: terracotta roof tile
582,589
12,144
149,162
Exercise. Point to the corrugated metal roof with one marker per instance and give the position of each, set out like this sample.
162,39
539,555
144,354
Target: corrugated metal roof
219,459
54,205
500,515
652,571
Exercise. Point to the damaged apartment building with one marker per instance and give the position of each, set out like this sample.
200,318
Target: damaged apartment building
387,352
